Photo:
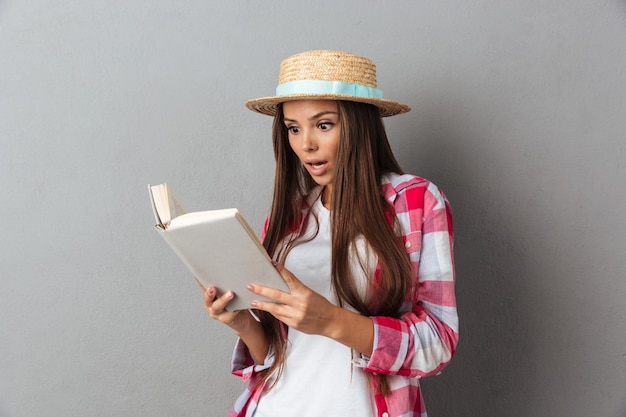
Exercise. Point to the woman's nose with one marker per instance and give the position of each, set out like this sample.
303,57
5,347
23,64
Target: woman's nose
308,141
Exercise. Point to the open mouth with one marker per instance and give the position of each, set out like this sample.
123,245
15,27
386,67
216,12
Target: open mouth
317,168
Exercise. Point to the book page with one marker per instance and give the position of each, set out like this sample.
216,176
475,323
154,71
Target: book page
176,209
165,204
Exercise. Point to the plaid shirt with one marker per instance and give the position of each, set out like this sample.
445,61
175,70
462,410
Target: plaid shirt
423,340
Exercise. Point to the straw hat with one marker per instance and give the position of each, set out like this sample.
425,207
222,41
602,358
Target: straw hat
327,75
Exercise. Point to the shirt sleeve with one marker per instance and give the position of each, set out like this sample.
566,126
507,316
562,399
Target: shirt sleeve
423,340
244,365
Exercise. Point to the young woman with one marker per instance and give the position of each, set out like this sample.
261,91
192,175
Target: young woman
365,249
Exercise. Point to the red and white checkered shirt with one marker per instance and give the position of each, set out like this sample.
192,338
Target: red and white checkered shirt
423,340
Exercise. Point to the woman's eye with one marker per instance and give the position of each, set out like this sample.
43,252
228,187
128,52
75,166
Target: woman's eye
293,129
325,125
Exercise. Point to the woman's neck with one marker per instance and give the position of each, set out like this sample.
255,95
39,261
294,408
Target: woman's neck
327,196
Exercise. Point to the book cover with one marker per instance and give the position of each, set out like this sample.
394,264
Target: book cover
217,246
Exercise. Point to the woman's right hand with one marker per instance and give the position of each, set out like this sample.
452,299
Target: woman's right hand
239,321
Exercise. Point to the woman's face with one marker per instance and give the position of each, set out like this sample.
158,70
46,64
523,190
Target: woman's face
314,133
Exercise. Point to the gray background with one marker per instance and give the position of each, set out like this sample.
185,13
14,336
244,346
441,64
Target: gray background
519,114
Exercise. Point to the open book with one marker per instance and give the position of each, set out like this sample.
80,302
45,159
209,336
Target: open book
217,246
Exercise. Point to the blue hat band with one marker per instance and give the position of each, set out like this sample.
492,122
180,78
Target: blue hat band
327,87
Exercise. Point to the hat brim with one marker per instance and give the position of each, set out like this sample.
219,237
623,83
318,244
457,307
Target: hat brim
268,105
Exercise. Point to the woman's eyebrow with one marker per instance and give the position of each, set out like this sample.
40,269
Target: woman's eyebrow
320,114
314,117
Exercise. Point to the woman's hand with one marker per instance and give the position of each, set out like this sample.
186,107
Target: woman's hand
243,324
239,320
302,309
307,311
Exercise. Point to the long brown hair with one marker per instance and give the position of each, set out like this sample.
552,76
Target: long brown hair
358,209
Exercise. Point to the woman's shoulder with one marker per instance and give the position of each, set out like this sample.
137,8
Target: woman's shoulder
393,184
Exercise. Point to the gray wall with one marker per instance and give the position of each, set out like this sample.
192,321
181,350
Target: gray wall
519,114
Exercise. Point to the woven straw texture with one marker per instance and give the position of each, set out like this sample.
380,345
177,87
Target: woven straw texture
327,66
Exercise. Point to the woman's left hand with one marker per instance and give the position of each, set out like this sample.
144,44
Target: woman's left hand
302,309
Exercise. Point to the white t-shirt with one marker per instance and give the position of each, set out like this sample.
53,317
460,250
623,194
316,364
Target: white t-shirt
318,378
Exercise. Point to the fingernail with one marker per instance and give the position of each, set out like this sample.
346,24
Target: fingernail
254,304
275,264
250,287
230,294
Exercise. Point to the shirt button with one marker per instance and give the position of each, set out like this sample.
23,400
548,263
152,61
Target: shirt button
407,245
385,414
